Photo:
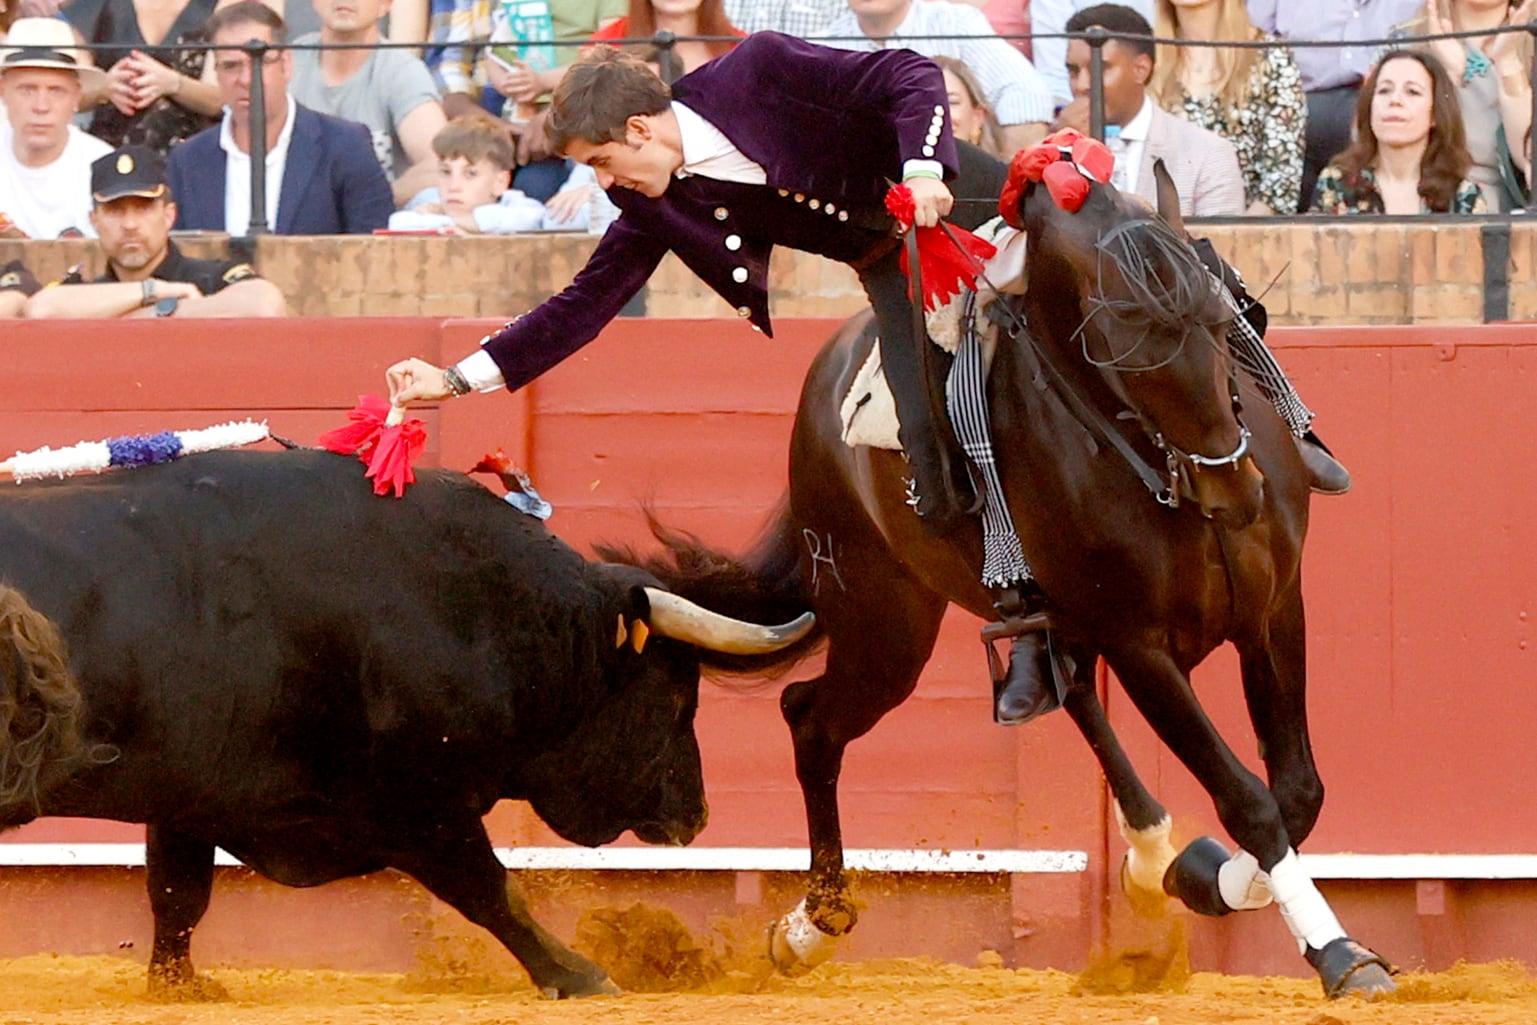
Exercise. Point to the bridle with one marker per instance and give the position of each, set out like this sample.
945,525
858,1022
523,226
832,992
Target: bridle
1175,482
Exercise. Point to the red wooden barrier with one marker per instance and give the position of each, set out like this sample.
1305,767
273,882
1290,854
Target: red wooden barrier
1420,588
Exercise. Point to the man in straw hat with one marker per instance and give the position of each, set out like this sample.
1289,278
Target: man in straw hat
45,161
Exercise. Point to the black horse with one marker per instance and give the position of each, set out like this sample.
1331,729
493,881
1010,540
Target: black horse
1154,547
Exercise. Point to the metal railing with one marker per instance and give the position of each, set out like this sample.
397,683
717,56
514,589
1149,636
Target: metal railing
664,43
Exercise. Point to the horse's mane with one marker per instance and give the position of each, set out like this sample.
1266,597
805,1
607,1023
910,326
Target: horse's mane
1165,284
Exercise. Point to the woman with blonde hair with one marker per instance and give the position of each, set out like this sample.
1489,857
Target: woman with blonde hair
1493,87
1410,154
971,119
1251,97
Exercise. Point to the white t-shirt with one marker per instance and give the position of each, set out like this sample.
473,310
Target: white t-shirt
47,201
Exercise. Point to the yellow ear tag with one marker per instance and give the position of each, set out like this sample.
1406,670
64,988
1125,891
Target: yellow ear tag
638,634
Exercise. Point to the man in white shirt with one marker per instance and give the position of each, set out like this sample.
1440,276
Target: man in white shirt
45,161
1202,163
322,177
1015,91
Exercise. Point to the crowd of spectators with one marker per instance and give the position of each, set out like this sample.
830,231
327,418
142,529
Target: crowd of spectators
449,137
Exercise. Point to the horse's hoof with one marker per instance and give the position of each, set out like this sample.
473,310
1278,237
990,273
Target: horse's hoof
1192,877
796,945
1148,902
1346,968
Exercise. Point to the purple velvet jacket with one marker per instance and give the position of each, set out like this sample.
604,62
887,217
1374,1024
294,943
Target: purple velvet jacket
833,126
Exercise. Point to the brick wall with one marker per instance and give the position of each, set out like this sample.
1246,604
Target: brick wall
1312,272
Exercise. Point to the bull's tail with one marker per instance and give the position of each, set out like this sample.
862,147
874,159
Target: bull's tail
40,705
766,584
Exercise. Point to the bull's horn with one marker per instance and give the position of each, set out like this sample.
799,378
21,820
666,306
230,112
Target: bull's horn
682,620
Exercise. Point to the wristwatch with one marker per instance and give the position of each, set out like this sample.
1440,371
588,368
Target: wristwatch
167,306
148,287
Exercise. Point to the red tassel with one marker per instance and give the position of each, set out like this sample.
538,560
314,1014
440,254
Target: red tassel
398,447
360,435
948,267
386,449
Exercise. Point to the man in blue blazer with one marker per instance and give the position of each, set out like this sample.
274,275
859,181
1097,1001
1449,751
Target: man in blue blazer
322,175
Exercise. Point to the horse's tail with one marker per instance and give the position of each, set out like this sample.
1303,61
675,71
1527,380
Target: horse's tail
40,704
766,584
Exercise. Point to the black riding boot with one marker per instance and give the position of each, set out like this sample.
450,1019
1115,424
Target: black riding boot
943,494
1027,688
1326,475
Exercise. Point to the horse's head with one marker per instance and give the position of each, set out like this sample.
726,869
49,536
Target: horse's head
1120,286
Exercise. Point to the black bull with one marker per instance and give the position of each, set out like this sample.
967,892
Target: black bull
251,651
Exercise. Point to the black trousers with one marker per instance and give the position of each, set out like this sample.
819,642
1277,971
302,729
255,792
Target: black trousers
1331,114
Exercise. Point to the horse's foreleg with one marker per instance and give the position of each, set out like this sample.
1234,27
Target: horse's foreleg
1251,815
1275,689
1144,823
877,647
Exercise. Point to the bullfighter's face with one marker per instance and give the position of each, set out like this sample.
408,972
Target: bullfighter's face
644,162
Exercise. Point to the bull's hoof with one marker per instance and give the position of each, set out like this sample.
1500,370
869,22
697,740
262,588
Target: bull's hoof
1192,877
1346,968
602,986
185,987
798,944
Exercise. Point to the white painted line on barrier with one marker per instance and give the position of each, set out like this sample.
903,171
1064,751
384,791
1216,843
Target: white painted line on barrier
797,859
634,859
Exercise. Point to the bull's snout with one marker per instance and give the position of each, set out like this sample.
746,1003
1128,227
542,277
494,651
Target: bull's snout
676,832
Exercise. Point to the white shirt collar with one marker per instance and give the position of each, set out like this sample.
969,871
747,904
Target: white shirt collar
227,135
1136,129
708,152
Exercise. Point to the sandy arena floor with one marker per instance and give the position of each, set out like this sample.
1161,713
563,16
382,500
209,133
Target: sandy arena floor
675,981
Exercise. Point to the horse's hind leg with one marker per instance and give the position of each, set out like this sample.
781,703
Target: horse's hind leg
878,642
1144,822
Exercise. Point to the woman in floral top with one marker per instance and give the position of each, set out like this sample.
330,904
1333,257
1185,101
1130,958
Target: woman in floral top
1410,155
1253,98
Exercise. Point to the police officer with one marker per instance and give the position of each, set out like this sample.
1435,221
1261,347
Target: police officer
146,274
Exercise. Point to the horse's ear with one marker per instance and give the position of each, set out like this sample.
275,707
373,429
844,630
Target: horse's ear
1168,198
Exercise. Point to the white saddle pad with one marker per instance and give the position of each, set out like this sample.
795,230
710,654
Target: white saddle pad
868,412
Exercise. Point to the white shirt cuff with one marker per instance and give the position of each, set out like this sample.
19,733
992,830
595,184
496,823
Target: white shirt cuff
913,167
481,371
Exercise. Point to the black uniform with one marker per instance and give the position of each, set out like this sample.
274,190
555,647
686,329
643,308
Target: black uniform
209,276
14,277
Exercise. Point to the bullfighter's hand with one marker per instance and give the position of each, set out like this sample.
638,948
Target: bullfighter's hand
416,380
931,200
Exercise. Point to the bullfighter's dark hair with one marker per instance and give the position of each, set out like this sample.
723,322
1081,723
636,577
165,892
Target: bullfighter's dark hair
247,12
1130,29
599,94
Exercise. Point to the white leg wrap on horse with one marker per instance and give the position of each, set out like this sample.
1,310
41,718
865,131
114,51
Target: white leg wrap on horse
810,944
1307,914
1150,853
1242,884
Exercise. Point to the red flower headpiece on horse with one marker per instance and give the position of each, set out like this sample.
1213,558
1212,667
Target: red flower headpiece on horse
1066,161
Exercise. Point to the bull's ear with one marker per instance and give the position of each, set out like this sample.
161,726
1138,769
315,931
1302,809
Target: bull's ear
1168,198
